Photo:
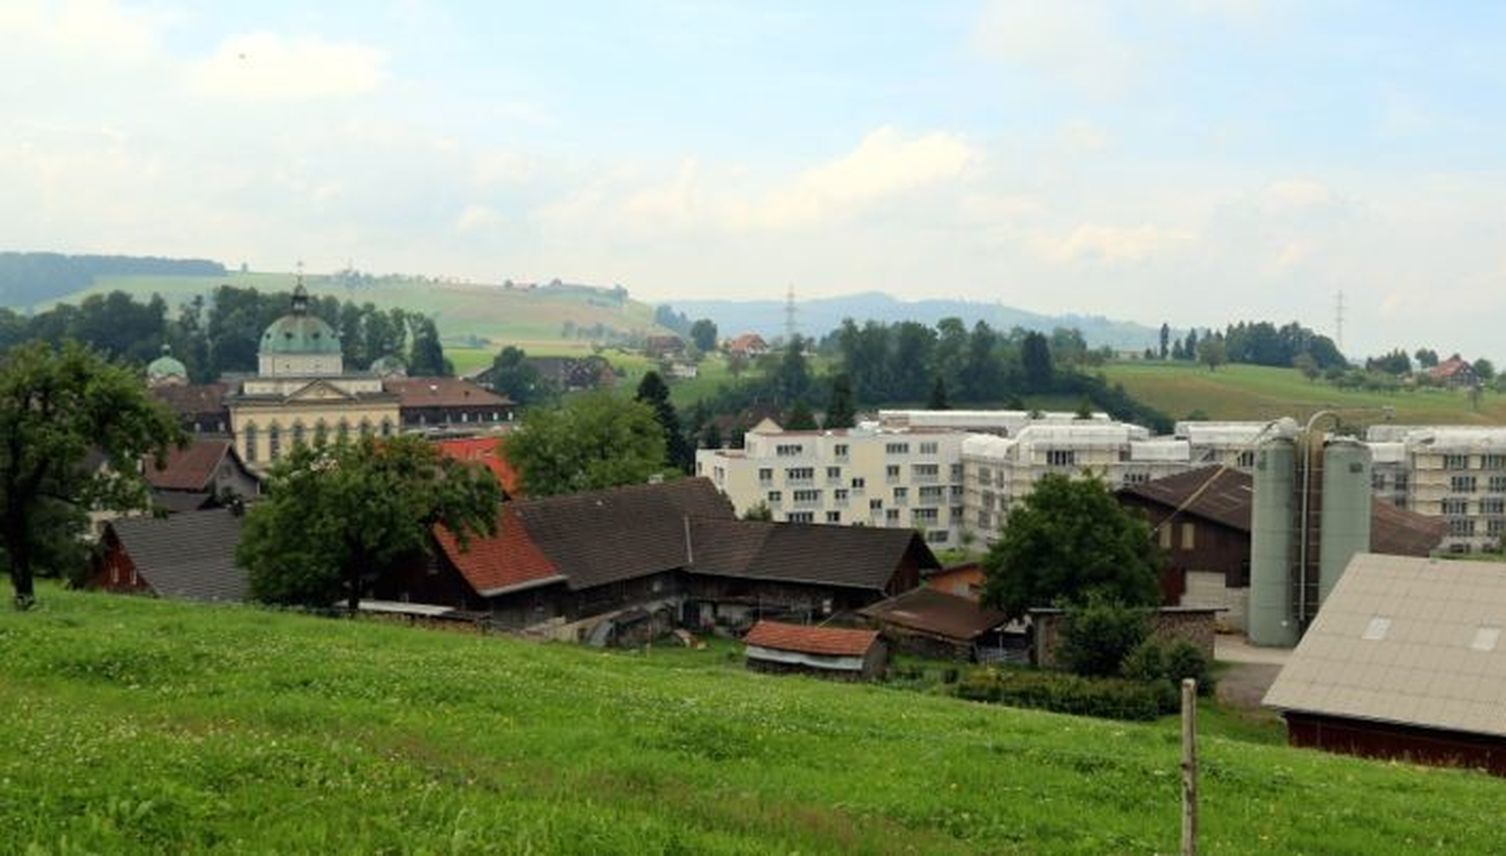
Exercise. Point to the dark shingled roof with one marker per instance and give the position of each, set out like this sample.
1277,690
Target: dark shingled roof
193,399
609,535
1231,496
937,613
188,556
851,556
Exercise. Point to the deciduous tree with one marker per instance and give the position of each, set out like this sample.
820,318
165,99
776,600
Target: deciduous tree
595,441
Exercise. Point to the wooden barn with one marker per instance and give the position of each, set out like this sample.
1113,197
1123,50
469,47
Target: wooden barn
828,652
1403,661
187,556
934,623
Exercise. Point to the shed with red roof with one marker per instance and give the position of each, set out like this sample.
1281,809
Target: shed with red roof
831,652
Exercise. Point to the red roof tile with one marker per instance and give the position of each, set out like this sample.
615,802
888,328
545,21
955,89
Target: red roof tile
828,641
504,560
488,451
191,468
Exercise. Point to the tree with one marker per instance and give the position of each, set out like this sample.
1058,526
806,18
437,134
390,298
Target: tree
1427,358
737,364
938,399
1165,339
703,334
1189,347
711,436
1070,539
653,392
800,418
339,517
1305,363
427,356
1097,636
595,441
1212,353
55,406
1035,360
1485,370
792,375
516,378
840,411
761,511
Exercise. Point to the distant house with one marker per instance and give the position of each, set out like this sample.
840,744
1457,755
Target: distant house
1403,661
750,345
674,546
448,404
188,556
1201,520
200,407
660,345
206,473
1454,371
486,451
934,623
684,371
566,374
828,652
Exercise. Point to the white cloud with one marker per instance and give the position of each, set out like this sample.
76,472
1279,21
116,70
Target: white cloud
81,29
1074,41
264,66
1098,244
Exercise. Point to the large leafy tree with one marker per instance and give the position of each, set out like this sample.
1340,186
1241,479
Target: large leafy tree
427,358
703,334
339,516
1068,541
518,379
655,393
595,441
56,405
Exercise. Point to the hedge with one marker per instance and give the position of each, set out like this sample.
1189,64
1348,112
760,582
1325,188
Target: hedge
1110,698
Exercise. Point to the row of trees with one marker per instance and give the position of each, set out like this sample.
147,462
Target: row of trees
1259,343
223,333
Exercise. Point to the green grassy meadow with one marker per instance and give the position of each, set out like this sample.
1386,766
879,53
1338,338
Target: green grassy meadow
138,726
1260,392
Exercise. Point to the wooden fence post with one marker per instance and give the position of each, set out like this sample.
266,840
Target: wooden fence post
1189,767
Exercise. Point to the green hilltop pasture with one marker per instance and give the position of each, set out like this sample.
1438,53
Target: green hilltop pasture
130,725
1262,392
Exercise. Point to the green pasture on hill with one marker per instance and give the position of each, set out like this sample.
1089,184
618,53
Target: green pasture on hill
1261,392
139,726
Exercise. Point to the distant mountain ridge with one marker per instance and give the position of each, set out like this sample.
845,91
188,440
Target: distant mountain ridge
822,315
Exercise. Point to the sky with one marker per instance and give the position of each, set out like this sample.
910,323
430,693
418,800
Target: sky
1192,161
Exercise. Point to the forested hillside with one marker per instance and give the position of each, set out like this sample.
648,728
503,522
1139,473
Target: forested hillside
28,278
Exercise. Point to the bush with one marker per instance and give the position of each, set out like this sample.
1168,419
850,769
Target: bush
1098,636
1170,661
1110,698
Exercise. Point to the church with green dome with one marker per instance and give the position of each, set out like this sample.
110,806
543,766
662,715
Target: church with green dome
299,344
166,370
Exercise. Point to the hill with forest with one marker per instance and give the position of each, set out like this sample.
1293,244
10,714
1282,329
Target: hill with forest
819,316
132,725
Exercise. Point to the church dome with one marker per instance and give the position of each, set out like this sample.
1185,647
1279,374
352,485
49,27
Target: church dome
298,332
165,366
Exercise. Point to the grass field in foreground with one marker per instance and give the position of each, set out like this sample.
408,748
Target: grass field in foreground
131,725
1261,392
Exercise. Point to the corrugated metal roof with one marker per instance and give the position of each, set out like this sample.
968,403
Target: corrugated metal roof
1405,640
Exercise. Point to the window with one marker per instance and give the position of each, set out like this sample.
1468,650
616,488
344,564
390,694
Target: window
365,427
1061,457
297,433
343,431
1377,480
321,433
891,472
765,474
924,515
1497,484
799,473
1136,478
1246,460
386,427
840,494
1493,505
956,472
250,444
807,496
897,448
925,471
1166,536
859,482
1189,535
801,517
1461,527
985,475
840,450
274,442
875,505
937,536
1461,484
1402,480
956,491
1455,506
833,517
892,516
929,448
957,515
1495,527
775,497
901,494
834,473
1493,462
933,494
789,450
1456,462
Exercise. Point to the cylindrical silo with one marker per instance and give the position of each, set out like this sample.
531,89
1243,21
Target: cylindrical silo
1346,511
1270,619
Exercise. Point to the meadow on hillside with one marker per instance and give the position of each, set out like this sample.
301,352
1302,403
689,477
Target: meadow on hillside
1262,392
130,725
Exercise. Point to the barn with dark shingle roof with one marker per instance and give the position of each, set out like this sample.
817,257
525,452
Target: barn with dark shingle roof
187,556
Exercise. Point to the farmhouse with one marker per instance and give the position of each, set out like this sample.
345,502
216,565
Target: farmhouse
1202,521
661,345
933,623
749,345
1404,660
1454,371
206,473
188,556
828,652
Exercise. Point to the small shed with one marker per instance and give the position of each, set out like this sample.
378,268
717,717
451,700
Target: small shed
933,623
830,652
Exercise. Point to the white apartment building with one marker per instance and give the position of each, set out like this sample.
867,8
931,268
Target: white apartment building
867,476
1001,471
1229,444
1005,423
1453,471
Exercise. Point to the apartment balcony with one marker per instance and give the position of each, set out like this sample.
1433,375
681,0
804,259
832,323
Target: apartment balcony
925,478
